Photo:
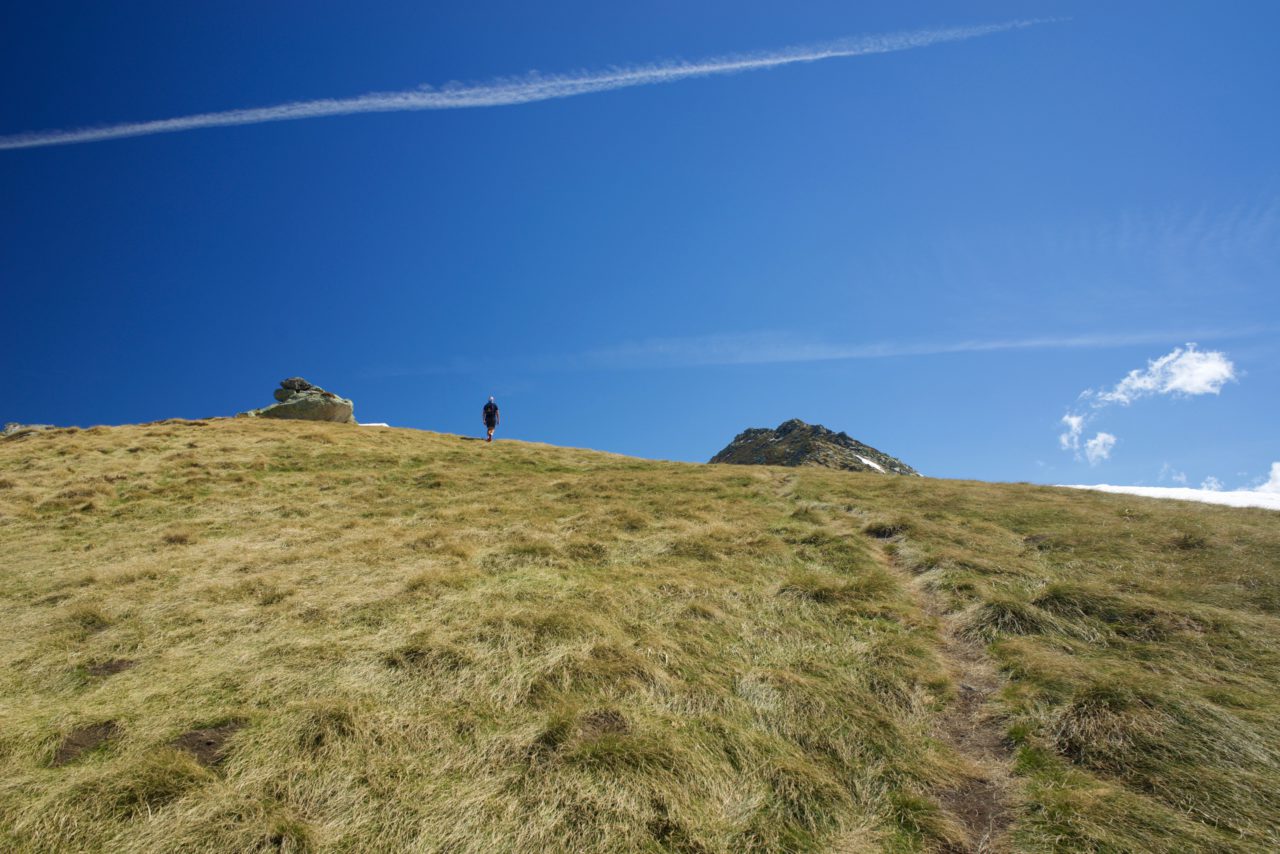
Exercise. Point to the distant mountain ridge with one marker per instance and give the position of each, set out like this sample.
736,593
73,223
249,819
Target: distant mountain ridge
795,443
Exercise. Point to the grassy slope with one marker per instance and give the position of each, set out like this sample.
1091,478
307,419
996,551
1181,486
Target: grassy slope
434,644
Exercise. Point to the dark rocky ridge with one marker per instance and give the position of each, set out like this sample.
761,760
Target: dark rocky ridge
796,443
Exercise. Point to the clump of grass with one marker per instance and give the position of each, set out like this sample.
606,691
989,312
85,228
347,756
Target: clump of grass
141,785
439,578
885,529
701,547
324,722
1192,756
808,515
631,521
1102,722
1042,542
1124,615
953,581
87,618
271,594
429,480
532,551
703,611
1189,541
178,537
426,651
607,667
997,617
286,834
1075,600
617,753
587,551
827,589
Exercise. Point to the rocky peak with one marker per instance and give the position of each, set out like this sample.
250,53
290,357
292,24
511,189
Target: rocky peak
795,443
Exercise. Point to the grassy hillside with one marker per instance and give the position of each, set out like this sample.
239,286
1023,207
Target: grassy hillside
248,636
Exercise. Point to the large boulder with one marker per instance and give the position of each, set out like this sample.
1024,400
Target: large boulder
301,400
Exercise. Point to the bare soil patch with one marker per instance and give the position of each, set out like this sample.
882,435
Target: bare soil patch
110,667
208,745
83,739
604,722
979,801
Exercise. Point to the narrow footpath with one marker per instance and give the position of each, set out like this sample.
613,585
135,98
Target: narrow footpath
981,801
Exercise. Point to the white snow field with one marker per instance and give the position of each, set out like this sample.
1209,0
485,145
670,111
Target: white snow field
1236,498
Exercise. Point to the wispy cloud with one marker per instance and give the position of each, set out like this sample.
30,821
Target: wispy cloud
520,90
782,347
1069,440
1094,450
1099,448
760,348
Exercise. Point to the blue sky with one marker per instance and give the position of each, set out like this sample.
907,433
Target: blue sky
936,249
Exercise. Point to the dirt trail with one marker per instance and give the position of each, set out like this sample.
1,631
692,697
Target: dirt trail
981,801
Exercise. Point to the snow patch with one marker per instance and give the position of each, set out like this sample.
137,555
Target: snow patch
374,424
1237,498
875,466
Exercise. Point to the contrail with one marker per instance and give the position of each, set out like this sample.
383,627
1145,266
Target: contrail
520,90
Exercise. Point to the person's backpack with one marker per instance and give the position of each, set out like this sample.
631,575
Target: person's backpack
490,411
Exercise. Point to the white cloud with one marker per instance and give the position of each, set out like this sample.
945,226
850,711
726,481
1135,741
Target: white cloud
1099,448
1183,371
1272,485
1168,472
1070,440
1211,484
521,90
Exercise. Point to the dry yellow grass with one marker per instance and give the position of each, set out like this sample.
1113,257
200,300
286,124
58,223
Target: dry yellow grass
238,636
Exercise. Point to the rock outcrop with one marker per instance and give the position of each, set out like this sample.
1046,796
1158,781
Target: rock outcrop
796,443
15,429
297,398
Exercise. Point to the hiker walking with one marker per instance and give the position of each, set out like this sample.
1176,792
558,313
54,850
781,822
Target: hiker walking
490,418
